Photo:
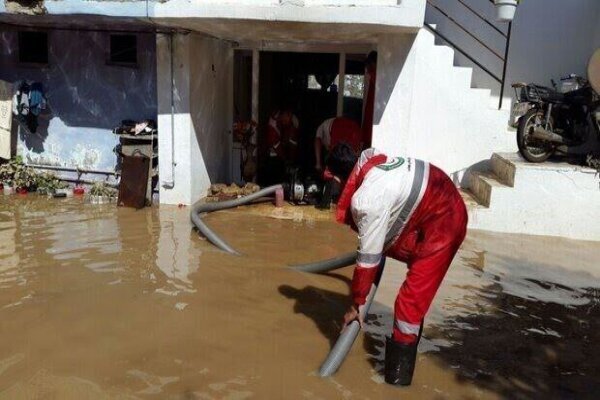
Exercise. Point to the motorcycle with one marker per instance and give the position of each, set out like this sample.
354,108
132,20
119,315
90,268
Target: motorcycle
552,119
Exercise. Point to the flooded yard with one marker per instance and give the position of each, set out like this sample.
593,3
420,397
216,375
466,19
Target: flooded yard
99,302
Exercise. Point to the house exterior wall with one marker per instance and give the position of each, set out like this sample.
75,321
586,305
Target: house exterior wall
550,39
197,138
211,112
86,97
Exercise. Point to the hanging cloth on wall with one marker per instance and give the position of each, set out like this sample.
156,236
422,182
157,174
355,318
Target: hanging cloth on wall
6,89
28,103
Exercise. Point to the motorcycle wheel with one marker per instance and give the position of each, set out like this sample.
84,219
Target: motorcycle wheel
533,150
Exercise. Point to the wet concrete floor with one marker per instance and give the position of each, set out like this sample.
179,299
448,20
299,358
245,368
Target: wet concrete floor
98,302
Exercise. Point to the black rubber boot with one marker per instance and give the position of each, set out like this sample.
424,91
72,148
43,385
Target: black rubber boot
399,362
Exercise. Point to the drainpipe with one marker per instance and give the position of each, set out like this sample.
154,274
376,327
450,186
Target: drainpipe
169,181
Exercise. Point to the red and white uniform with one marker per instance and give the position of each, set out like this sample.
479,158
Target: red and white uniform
336,130
409,210
281,140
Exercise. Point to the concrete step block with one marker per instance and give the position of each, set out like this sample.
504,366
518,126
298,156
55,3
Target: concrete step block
469,199
427,37
483,185
444,56
464,76
504,169
482,96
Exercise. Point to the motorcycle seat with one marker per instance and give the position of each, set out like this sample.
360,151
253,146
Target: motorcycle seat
518,85
544,93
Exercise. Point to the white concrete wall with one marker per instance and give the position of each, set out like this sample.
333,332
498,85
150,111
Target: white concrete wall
200,145
212,112
550,39
425,108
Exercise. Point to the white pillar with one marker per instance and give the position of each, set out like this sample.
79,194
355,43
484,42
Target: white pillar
174,123
393,92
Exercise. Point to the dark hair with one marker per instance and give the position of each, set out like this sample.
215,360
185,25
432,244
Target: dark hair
341,160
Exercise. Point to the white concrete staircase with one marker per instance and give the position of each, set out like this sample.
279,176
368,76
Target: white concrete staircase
452,124
552,198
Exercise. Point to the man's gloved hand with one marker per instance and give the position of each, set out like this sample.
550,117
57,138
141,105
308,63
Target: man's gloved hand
355,312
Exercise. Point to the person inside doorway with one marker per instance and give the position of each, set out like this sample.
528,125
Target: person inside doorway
330,133
411,211
282,137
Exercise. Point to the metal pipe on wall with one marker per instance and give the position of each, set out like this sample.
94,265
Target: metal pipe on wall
77,170
168,181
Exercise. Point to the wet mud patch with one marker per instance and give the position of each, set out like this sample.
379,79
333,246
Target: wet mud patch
522,347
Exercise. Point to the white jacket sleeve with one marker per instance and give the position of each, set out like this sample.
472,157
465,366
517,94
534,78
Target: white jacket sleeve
371,216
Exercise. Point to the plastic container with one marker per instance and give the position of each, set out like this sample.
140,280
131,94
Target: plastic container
505,10
68,192
279,200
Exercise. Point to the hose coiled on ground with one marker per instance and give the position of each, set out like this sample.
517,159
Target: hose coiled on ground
201,208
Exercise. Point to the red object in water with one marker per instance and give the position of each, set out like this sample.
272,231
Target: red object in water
22,191
78,191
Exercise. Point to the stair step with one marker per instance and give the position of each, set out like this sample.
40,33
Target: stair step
469,198
482,94
464,74
445,55
504,168
482,185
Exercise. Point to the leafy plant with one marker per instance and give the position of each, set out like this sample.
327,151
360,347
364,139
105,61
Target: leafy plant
102,189
48,182
25,178
17,174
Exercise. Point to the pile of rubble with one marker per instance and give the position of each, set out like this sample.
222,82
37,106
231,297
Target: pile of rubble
221,192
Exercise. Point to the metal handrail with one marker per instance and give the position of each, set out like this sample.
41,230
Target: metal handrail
484,19
506,36
464,53
455,22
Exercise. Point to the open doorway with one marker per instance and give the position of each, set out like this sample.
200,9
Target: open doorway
307,85
314,87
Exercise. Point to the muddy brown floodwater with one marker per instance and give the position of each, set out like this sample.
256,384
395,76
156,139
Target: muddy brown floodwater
98,302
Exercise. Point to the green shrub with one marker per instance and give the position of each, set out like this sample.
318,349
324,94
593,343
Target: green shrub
102,189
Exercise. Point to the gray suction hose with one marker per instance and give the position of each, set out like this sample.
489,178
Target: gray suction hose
327,265
201,208
344,343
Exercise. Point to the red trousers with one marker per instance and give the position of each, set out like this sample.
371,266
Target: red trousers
427,244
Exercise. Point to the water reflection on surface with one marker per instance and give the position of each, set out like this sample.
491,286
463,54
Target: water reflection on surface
105,302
